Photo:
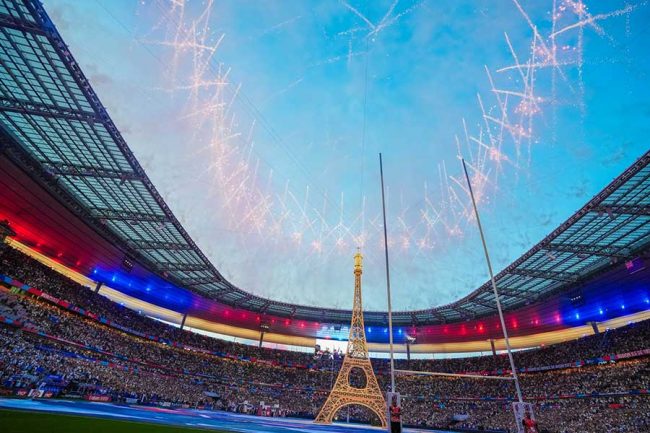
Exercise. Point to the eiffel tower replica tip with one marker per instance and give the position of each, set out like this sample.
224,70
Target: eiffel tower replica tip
356,356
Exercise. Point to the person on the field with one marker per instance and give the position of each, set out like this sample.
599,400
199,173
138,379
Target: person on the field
530,425
395,416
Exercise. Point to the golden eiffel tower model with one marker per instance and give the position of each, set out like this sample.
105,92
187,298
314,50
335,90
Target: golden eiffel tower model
356,356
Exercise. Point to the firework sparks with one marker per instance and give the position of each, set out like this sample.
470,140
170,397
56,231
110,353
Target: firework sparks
387,21
246,184
591,20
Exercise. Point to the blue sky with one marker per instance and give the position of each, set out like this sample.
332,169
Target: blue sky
249,118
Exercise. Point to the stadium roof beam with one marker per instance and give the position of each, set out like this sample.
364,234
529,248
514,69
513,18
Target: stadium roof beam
464,312
589,249
183,267
437,314
220,290
50,111
199,281
266,306
482,303
504,291
63,169
247,297
565,277
120,215
157,245
22,25
618,209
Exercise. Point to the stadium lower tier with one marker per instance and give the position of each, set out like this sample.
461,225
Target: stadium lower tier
61,354
52,345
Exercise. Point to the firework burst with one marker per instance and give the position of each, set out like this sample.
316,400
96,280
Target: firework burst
256,201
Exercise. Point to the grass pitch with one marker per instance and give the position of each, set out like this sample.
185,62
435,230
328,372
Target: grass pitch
16,421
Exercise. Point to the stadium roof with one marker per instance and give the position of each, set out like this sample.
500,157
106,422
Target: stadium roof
53,124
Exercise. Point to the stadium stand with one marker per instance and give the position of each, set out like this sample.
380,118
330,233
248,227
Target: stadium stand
61,339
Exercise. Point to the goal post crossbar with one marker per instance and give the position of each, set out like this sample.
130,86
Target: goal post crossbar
435,373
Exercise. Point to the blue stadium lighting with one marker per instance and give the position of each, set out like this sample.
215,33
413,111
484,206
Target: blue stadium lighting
622,306
385,330
600,311
153,290
577,316
646,300
369,330
399,331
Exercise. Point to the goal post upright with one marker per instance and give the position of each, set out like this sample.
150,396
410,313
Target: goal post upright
390,307
494,286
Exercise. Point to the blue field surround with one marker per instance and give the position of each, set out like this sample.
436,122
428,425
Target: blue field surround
205,419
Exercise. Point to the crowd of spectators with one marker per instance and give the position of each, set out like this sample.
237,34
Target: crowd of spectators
76,356
33,273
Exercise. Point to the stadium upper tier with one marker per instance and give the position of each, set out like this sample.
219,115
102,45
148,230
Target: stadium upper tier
72,189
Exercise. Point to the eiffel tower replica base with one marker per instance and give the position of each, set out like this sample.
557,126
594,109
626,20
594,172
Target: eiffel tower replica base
356,357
